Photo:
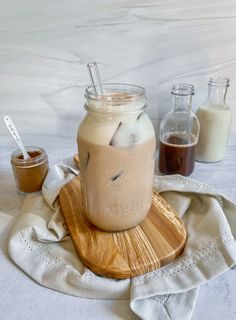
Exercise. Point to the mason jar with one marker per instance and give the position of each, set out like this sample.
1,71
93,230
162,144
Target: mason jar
116,143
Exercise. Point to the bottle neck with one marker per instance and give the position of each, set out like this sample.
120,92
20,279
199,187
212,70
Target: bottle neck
217,94
182,103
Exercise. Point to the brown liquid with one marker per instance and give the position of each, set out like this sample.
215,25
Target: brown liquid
32,154
177,156
29,175
116,183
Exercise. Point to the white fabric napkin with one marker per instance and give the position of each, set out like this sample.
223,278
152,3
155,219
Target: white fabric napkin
40,245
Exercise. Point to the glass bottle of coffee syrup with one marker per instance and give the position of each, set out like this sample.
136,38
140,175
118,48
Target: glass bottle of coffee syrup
179,131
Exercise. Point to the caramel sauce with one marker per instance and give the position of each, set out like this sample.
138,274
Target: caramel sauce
30,173
32,154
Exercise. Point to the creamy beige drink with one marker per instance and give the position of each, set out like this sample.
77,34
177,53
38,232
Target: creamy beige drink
117,151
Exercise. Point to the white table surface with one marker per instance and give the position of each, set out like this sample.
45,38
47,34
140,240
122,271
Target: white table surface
22,298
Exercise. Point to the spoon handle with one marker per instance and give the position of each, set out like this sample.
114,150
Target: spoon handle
13,131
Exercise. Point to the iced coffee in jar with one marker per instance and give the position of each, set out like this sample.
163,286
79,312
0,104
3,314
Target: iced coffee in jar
116,143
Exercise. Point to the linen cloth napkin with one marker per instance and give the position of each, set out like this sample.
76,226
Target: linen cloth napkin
40,245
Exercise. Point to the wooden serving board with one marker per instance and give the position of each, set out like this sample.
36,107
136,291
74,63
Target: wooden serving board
155,242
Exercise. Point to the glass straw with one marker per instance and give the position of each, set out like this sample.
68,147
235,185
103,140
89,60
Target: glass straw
95,78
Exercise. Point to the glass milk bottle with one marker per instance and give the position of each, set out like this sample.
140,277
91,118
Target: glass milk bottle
116,143
215,120
179,133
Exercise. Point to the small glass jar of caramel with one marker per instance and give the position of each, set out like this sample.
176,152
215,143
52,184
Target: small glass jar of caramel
29,173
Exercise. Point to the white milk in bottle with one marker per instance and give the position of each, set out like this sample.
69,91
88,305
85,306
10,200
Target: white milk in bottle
215,120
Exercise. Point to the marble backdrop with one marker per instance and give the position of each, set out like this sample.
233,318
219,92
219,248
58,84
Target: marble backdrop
45,46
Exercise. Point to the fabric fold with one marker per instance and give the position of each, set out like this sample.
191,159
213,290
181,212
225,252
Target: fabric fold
40,245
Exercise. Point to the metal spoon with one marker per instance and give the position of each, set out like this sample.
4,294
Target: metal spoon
12,129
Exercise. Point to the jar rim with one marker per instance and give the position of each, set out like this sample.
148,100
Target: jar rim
135,92
42,155
119,99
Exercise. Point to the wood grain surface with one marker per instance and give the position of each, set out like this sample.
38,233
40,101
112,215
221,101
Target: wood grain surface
157,241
